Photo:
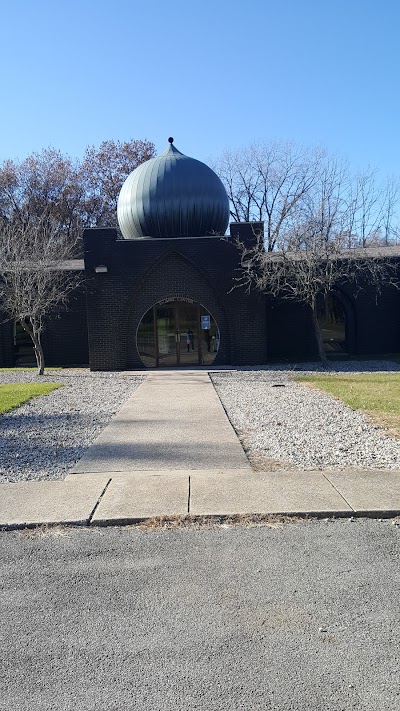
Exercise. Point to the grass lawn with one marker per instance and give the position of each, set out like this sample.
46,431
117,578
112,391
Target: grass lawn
376,394
14,394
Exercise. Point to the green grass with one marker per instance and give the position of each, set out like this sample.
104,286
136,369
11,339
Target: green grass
377,394
14,394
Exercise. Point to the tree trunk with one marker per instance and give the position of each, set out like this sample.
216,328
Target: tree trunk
37,346
318,336
39,353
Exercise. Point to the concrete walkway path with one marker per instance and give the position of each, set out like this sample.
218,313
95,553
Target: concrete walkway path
171,451
174,420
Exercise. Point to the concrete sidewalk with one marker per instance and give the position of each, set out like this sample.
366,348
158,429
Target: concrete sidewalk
171,451
174,420
104,499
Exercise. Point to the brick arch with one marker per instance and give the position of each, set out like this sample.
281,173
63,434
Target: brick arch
174,275
350,315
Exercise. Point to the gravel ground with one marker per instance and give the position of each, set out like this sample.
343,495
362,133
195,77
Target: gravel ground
296,426
45,437
291,426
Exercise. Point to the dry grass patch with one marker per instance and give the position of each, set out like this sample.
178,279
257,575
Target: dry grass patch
261,463
375,394
46,531
198,522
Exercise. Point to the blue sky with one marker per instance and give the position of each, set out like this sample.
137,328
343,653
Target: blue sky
214,74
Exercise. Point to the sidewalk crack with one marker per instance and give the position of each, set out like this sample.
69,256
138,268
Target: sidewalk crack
189,493
98,501
337,490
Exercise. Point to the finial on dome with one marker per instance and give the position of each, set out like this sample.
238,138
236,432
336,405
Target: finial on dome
171,196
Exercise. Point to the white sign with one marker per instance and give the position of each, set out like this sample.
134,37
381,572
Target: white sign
205,322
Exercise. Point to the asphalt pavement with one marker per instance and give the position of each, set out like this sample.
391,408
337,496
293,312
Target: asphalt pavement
300,616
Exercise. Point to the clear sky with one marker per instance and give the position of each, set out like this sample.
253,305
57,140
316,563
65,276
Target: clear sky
214,74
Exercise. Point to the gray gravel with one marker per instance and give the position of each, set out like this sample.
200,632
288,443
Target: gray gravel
43,438
291,426
296,426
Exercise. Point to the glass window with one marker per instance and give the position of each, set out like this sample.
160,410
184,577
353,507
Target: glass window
332,321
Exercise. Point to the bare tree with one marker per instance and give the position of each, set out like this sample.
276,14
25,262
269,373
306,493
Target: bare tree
267,182
36,275
46,201
312,269
315,212
73,194
280,184
364,208
390,228
43,183
102,173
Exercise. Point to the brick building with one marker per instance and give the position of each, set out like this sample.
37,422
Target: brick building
162,294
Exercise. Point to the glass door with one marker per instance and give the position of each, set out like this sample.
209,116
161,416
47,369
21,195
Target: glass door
177,333
188,327
166,334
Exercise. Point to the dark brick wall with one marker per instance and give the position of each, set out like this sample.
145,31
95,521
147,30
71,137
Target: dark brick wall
378,327
289,331
142,272
248,233
65,338
253,328
6,343
372,324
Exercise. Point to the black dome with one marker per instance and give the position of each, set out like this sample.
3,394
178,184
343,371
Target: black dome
172,196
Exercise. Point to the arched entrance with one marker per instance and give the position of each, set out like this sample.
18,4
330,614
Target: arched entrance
177,332
332,321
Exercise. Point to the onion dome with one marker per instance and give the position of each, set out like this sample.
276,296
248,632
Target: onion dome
172,195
